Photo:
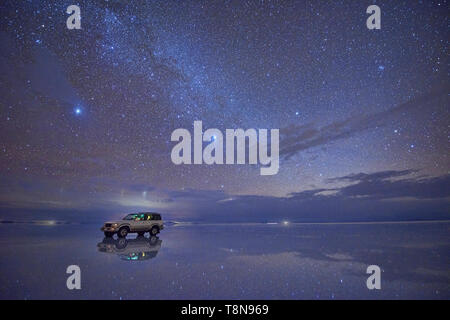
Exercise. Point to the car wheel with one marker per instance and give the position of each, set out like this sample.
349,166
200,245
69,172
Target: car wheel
108,234
122,232
154,231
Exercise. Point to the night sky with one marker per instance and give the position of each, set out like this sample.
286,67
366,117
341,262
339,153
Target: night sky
86,115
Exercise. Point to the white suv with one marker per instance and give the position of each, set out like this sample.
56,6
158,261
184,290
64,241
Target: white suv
139,223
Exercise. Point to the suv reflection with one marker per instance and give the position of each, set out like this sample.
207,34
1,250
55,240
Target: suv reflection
141,248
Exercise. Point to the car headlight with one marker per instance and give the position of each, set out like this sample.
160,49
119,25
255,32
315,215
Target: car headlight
115,225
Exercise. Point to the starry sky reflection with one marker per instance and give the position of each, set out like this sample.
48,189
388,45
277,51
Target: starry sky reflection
231,262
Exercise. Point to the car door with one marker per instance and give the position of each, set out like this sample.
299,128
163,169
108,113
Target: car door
139,222
148,221
132,223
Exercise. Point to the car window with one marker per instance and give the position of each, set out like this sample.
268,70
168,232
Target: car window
148,217
139,217
130,216
156,217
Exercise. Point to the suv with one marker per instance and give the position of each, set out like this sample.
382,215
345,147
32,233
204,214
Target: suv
139,223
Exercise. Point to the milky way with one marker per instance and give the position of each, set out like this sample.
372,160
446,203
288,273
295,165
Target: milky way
86,115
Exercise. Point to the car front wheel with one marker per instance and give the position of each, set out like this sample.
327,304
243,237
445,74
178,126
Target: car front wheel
122,232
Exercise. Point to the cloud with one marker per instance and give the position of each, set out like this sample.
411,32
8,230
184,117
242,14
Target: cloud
381,175
308,194
378,186
297,138
362,198
379,196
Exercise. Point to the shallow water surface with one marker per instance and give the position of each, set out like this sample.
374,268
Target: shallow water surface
233,261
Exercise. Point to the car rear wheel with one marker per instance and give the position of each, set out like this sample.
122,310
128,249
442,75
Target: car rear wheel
154,231
122,232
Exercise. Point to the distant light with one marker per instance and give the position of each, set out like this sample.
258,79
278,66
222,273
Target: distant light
285,222
381,68
47,222
297,113
78,110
